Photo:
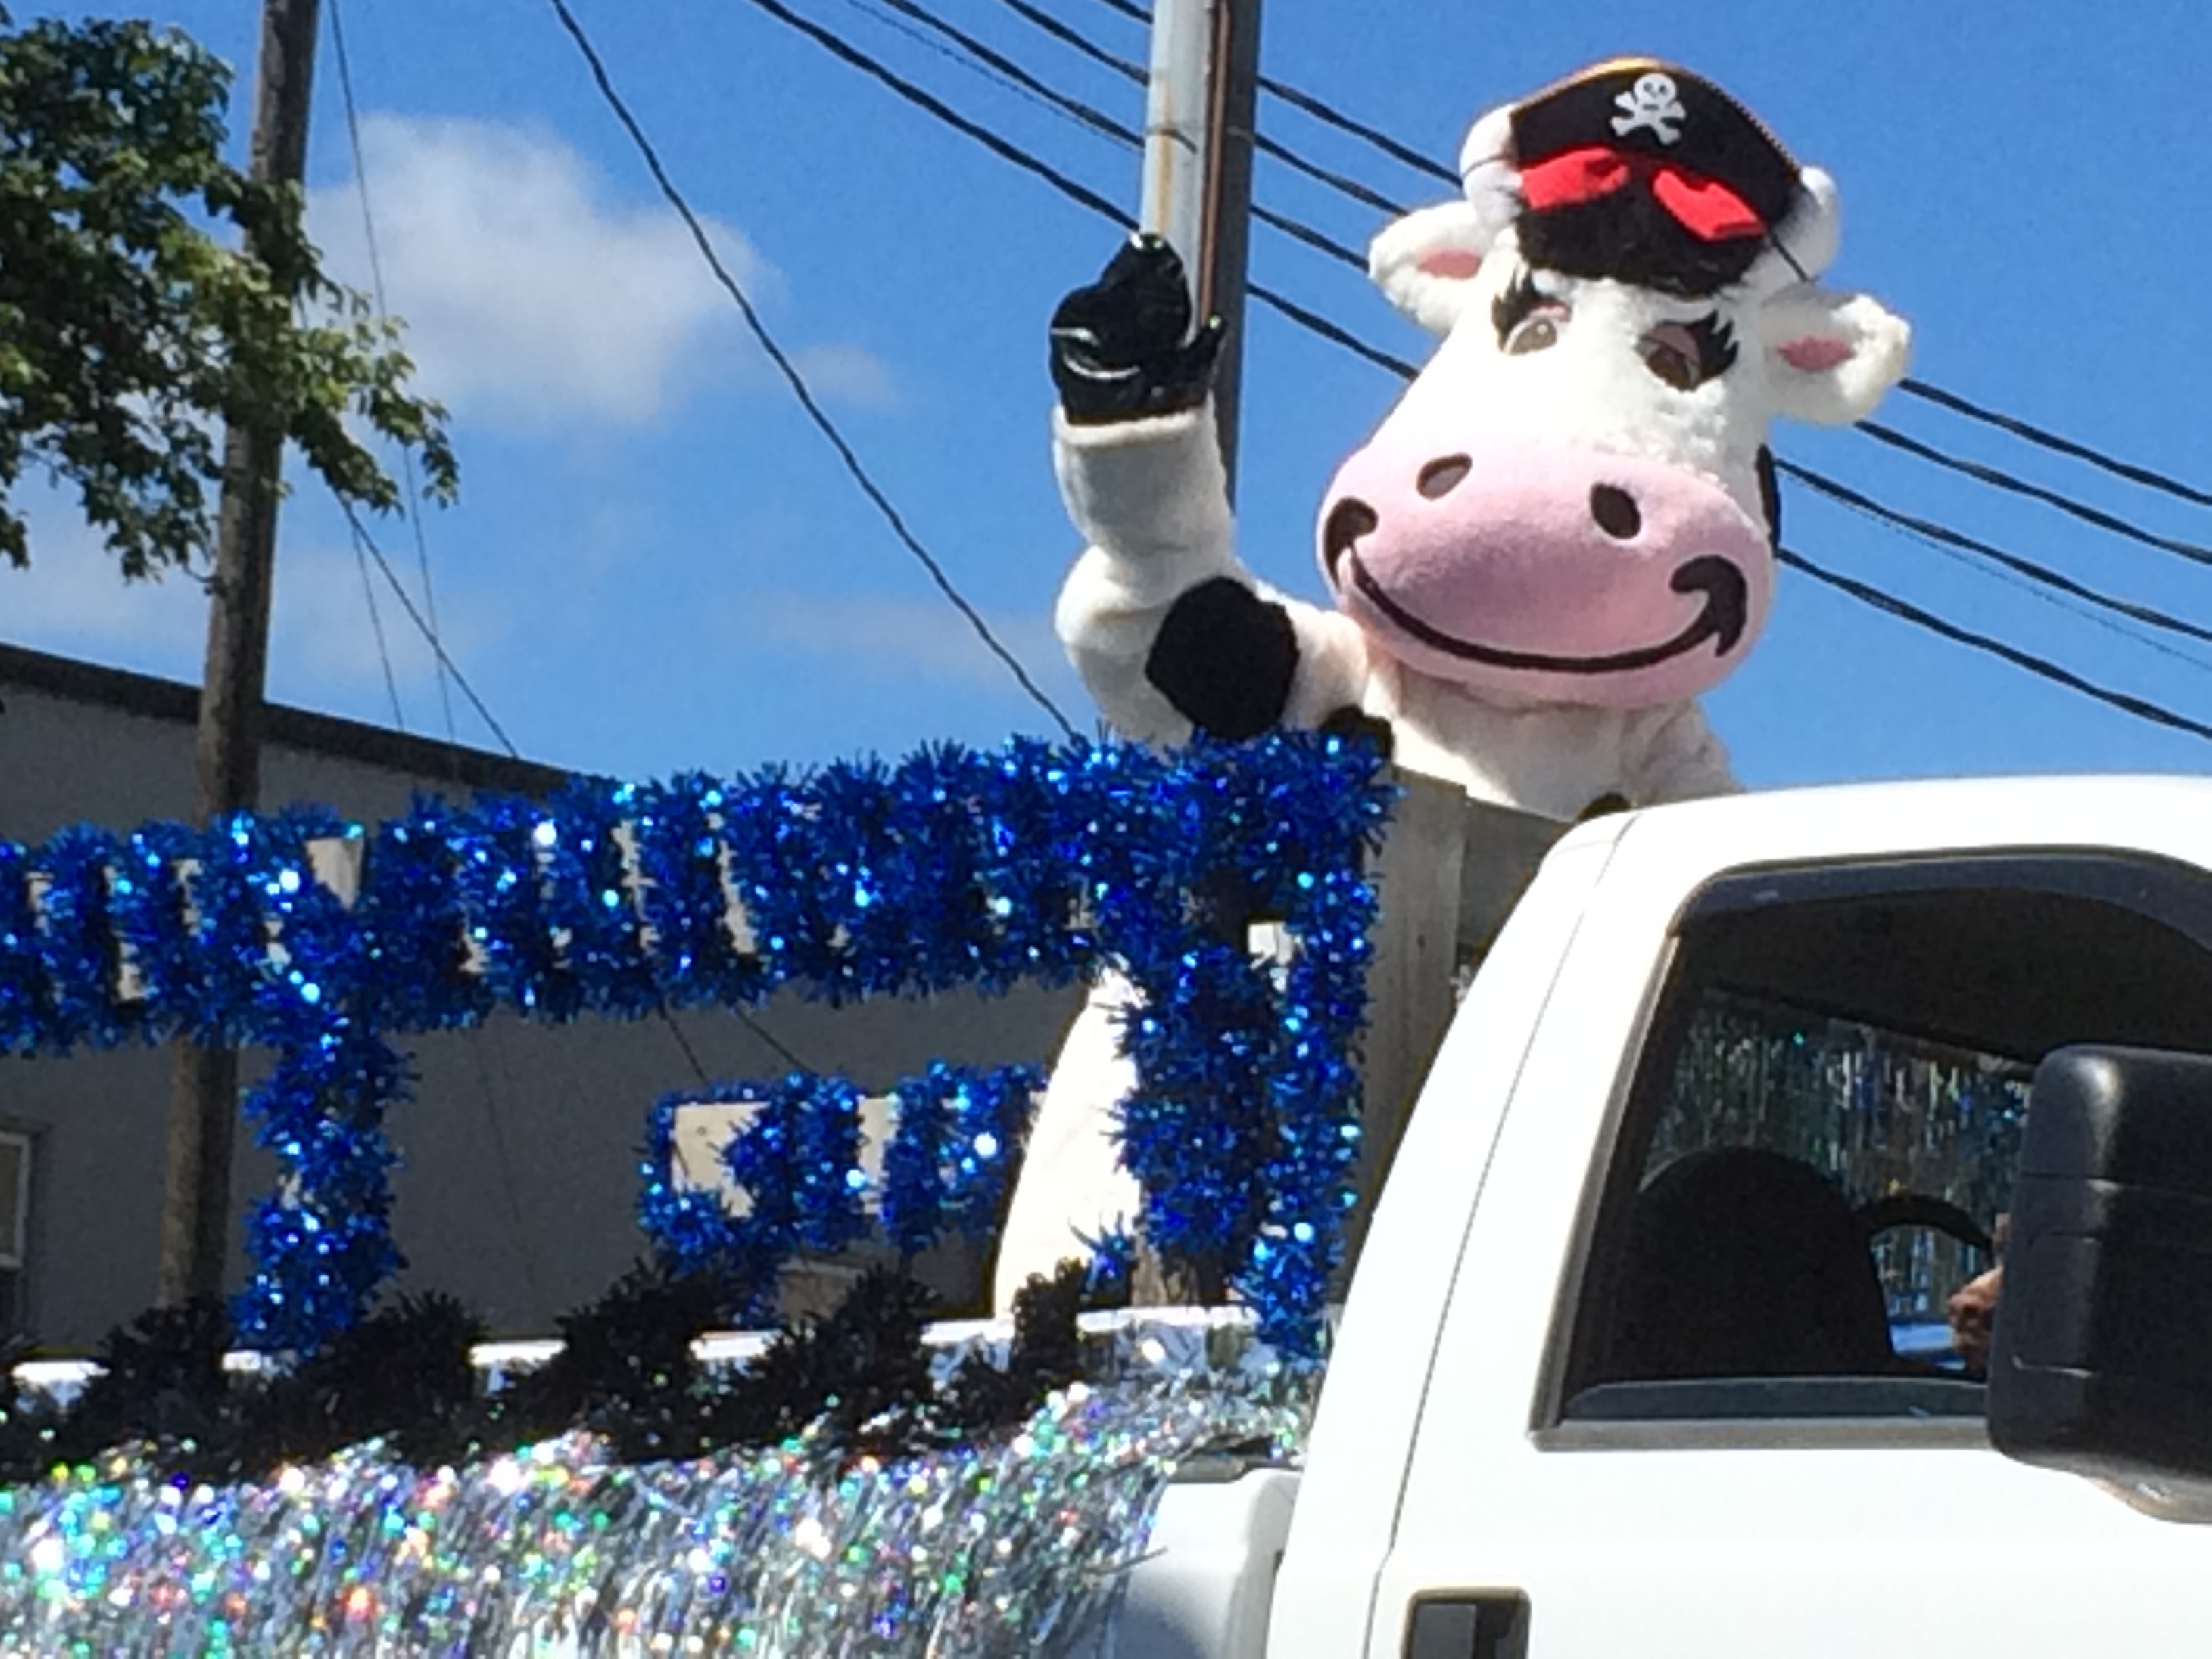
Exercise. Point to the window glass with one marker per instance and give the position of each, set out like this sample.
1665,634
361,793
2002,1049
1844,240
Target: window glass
1804,1212
1888,1118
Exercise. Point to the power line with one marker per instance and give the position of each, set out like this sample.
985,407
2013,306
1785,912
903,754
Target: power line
776,354
428,626
1004,148
412,506
2039,593
412,503
1094,119
1323,112
362,540
1081,194
2056,442
1264,144
1067,34
376,627
1313,322
1943,535
429,632
1926,391
1997,478
1336,182
977,55
2040,667
1345,339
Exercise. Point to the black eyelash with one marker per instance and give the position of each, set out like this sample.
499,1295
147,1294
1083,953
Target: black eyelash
1510,309
1716,346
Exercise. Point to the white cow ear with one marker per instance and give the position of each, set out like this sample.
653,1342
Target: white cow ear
1806,242
1426,263
1830,357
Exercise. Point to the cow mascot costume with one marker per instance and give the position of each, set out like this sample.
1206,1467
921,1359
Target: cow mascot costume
1562,533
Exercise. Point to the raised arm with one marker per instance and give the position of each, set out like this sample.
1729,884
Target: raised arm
1168,630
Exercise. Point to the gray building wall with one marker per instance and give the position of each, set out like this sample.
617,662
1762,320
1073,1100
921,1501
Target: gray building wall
520,1176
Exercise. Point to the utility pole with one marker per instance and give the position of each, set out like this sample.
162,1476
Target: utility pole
1199,117
203,1099
1198,196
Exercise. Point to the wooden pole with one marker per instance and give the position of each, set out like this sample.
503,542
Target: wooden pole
204,1100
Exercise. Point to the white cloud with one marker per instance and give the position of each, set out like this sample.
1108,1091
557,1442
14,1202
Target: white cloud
918,633
848,374
530,297
73,601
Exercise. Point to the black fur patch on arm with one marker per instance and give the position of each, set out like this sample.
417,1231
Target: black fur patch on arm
1224,658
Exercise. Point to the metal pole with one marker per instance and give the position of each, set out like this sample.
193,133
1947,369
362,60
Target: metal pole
1177,107
1227,234
1198,169
203,1099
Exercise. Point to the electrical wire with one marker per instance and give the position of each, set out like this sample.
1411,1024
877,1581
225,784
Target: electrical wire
1345,339
365,547
979,59
1006,149
978,55
2041,666
376,627
2043,594
1307,104
2056,442
411,502
1267,145
1127,69
1081,194
1997,478
502,1154
1004,68
800,389
745,1018
429,632
1942,535
1926,391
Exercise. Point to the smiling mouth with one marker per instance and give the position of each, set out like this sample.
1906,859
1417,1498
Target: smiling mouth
1721,619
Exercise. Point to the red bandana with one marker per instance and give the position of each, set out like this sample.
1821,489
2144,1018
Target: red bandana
1704,207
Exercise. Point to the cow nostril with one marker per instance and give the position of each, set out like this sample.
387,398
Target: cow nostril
1615,512
1348,520
1440,477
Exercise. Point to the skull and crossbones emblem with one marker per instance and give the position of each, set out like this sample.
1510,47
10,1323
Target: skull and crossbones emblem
1652,103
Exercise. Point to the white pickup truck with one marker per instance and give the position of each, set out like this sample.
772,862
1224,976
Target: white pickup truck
1632,1361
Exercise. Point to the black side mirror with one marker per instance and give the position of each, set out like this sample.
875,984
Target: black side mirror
2102,1364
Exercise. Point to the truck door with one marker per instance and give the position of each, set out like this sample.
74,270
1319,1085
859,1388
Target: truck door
1699,1395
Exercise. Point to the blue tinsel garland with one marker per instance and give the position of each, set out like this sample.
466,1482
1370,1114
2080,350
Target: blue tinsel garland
952,869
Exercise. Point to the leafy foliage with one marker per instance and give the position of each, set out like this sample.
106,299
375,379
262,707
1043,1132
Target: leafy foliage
150,290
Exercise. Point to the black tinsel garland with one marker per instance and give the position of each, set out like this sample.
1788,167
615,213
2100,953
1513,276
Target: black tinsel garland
627,1371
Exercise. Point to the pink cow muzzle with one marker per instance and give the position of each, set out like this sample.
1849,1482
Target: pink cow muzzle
1547,575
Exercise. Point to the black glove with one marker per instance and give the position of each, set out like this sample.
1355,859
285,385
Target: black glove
1123,349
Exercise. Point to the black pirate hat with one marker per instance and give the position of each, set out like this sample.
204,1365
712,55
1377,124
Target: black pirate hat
1640,170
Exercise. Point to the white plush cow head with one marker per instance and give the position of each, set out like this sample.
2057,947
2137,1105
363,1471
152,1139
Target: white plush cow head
1574,502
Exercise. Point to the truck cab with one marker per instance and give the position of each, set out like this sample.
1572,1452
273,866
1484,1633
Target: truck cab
1634,1359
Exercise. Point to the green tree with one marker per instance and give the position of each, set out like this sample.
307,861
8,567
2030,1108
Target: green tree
134,320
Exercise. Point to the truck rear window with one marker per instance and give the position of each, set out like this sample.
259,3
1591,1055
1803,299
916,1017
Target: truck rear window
1804,1212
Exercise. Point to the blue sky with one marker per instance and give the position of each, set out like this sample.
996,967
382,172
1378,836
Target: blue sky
657,563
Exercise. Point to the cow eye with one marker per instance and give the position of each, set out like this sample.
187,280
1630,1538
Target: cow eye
1670,351
1539,332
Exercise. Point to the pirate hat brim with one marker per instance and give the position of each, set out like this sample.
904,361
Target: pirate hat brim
1636,107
